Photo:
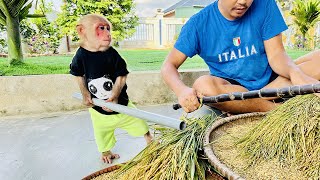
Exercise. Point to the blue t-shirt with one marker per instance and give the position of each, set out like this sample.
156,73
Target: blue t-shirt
234,49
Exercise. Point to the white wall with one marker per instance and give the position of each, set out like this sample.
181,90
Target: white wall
155,33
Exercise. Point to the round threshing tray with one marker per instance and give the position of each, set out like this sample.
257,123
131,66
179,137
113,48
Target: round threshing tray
216,130
100,172
209,175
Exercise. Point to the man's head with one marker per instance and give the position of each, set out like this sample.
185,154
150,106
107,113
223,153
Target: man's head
233,9
94,32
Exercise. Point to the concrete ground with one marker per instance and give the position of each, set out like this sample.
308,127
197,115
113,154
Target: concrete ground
61,145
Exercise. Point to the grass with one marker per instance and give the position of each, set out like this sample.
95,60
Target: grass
137,60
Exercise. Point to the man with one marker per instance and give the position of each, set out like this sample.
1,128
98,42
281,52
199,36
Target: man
240,41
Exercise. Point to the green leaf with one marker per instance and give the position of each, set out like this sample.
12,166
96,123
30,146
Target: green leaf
24,12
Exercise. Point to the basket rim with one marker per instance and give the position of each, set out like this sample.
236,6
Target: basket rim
102,171
212,158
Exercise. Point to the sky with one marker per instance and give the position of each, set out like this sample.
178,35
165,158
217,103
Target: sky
144,8
148,8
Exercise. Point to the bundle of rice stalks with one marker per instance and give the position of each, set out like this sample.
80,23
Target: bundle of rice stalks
289,133
173,155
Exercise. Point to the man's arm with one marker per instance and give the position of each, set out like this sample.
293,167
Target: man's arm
84,91
282,64
187,96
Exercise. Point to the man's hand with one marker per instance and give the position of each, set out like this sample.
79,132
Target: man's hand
188,100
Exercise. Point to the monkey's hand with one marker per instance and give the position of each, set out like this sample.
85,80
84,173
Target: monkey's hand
87,99
113,100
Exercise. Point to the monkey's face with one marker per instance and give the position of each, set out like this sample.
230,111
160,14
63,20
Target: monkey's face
103,34
99,35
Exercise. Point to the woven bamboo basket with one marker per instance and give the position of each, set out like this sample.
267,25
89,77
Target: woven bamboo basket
215,131
100,172
209,175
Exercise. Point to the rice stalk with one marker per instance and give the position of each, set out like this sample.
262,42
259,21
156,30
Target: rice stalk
173,155
290,133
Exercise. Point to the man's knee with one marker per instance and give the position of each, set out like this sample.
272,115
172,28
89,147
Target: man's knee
202,80
312,56
208,81
315,55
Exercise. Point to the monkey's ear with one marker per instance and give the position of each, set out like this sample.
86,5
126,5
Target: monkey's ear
80,29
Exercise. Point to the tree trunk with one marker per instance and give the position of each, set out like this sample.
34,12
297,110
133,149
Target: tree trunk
68,43
303,41
15,55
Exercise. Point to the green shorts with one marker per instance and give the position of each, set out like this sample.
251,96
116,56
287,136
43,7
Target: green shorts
105,125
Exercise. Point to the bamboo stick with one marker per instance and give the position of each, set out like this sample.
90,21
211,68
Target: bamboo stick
289,91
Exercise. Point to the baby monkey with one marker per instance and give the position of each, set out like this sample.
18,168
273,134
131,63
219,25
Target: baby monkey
101,73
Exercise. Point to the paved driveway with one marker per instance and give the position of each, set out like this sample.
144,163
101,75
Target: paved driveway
60,146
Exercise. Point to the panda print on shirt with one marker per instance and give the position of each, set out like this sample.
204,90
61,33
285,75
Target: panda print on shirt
101,87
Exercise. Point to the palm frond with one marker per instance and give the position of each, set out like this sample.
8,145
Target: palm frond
41,7
2,19
306,14
4,8
35,16
25,11
15,6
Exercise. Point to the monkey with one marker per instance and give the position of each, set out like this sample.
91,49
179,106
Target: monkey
101,73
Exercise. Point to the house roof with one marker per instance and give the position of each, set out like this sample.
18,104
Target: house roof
188,3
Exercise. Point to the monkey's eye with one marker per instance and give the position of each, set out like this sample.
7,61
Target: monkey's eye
104,28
